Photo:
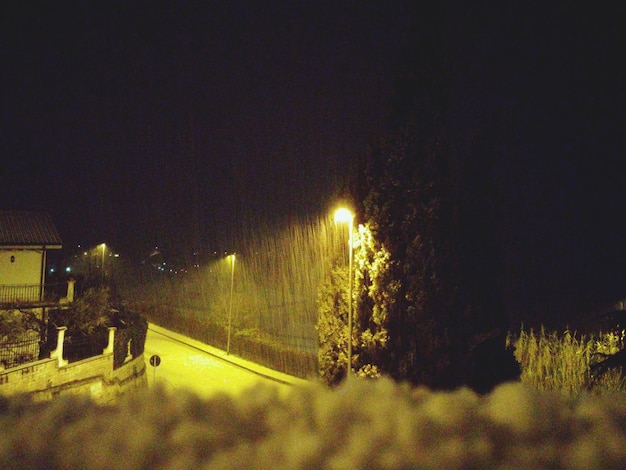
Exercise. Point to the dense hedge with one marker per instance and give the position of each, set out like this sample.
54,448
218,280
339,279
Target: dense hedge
132,328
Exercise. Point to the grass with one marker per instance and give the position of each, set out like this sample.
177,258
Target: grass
562,361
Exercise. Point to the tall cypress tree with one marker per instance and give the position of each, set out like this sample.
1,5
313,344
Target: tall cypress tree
427,196
411,213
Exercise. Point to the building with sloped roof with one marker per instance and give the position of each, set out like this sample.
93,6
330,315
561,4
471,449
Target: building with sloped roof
25,239
27,365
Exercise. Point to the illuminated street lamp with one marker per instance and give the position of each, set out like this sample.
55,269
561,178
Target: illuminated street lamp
345,215
230,308
102,266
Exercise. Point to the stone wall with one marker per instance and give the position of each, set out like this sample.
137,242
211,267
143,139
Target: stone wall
94,377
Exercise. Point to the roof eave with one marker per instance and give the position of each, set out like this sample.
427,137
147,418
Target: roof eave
16,246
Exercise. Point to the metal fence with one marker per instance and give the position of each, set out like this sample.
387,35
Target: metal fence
77,349
14,353
21,293
25,293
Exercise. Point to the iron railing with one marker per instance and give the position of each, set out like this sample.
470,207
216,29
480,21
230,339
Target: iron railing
31,293
14,353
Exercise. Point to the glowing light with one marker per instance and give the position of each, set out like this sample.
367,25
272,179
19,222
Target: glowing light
343,215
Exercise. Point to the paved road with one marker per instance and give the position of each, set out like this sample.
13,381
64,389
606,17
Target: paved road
189,366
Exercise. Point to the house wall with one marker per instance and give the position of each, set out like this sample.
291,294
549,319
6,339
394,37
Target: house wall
93,377
24,269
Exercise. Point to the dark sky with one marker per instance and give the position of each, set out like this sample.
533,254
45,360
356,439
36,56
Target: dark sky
142,124
170,123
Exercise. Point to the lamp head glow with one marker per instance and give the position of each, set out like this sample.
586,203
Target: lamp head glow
343,215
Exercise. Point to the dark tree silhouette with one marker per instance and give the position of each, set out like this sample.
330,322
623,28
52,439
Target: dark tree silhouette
428,196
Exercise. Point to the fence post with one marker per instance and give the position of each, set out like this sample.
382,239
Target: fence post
109,348
58,352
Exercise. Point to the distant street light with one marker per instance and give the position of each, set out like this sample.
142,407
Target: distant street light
102,266
230,308
345,215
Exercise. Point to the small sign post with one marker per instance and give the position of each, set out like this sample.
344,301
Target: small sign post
155,360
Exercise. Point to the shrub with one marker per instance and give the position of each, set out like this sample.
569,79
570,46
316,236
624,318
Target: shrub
553,361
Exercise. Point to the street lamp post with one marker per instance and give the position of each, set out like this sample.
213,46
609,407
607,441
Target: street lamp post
102,265
344,215
230,307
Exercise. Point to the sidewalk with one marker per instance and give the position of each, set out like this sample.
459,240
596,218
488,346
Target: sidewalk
235,360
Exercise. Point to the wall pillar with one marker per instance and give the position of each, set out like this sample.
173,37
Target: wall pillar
70,290
109,348
58,352
129,356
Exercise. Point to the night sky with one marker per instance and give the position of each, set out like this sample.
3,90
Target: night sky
142,125
184,124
